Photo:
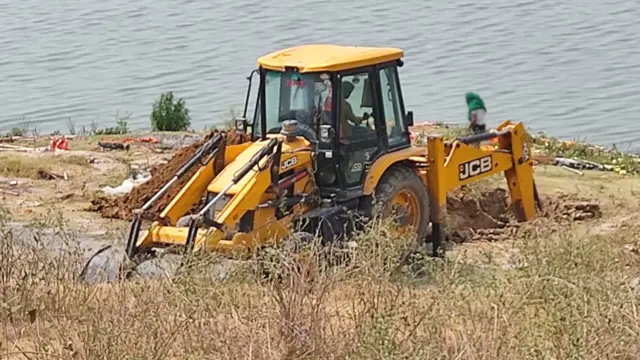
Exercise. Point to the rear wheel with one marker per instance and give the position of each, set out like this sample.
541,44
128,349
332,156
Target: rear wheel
404,197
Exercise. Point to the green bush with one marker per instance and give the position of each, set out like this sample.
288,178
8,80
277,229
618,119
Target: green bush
168,115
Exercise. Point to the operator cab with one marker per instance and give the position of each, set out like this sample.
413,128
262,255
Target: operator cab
347,100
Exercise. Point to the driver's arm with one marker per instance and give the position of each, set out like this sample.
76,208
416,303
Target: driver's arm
348,113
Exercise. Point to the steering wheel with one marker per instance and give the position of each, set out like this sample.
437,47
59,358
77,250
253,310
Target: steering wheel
303,118
366,117
306,132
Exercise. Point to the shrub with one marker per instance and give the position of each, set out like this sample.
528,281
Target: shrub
168,115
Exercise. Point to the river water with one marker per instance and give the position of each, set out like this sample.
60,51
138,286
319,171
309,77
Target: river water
568,68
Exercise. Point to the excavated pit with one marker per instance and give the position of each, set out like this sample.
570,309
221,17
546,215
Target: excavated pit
488,215
121,207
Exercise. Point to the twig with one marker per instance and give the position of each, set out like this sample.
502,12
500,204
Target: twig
26,353
15,150
9,192
7,147
13,146
572,170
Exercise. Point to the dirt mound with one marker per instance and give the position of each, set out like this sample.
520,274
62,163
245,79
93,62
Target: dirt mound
121,207
566,207
488,216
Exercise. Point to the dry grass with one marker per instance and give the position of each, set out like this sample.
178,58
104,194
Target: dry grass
27,166
549,293
565,295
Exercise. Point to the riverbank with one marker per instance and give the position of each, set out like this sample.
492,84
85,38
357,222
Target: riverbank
566,285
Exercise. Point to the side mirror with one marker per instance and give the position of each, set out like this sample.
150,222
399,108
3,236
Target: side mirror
241,124
326,133
409,118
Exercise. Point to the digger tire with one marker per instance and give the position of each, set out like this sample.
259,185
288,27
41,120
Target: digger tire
401,187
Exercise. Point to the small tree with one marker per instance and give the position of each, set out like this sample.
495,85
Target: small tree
168,115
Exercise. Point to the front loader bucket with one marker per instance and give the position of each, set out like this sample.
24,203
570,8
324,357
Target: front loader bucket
160,267
105,266
143,255
110,264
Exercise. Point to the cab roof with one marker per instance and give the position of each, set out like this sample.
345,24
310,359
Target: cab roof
325,57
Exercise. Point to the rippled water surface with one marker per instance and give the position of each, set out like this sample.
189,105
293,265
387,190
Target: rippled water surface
568,68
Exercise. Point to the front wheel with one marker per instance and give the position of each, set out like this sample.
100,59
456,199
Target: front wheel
404,196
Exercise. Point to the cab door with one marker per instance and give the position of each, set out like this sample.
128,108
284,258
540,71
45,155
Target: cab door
360,136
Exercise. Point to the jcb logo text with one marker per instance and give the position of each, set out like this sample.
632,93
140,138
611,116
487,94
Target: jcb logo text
289,162
475,168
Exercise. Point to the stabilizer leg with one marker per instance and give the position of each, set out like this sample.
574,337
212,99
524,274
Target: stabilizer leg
437,192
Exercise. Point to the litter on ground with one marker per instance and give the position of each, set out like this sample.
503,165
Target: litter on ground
127,185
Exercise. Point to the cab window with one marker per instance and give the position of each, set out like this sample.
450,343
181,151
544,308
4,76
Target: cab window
355,120
293,96
392,107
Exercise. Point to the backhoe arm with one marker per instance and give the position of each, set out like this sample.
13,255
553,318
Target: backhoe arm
465,164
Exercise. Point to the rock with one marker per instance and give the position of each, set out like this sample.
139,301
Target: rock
631,248
66,196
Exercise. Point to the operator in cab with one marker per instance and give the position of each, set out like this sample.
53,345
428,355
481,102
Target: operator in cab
346,112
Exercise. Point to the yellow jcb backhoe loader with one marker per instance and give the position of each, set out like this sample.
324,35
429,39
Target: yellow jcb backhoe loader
329,135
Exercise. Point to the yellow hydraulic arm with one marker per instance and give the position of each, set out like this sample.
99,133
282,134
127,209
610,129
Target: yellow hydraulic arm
464,164
253,185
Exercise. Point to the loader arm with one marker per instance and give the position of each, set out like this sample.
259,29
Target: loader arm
252,187
192,192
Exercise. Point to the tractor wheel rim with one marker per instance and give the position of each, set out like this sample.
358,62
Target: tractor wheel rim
406,209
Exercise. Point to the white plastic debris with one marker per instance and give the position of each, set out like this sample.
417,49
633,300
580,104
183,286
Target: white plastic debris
126,186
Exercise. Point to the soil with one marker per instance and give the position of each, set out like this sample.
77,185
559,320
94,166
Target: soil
121,207
488,215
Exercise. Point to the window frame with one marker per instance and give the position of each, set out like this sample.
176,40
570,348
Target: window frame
393,67
380,147
262,96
